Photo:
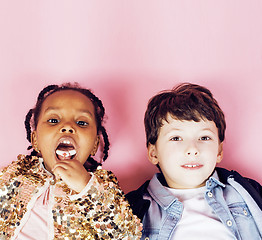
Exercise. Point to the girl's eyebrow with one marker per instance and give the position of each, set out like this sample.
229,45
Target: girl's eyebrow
50,109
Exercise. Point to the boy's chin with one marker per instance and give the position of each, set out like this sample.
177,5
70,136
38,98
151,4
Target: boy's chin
189,185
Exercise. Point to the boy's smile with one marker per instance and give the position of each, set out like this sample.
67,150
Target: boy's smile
66,128
186,151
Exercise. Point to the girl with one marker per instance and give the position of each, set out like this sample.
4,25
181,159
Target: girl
59,191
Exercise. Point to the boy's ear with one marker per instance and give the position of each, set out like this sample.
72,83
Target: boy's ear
93,153
220,153
152,154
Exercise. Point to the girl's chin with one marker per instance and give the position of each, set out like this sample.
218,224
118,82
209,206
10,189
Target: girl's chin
49,165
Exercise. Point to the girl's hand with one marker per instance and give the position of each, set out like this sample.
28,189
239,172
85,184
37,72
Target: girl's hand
73,173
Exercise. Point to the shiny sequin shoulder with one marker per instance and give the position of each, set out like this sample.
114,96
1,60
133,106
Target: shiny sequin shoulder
100,213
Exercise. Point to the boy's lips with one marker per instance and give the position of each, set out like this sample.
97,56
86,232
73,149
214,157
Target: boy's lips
192,166
66,148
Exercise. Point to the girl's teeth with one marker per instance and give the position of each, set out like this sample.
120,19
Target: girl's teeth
66,153
66,142
72,152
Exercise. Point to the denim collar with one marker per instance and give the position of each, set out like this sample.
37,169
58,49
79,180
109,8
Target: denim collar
159,193
165,199
213,182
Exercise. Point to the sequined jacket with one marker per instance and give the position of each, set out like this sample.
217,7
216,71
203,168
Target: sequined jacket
102,213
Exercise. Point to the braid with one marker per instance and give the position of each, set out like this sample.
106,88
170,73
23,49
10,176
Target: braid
106,143
47,89
28,126
100,115
100,110
91,164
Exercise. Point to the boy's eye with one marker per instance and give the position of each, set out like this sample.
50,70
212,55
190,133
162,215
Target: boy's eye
82,123
205,138
53,120
176,139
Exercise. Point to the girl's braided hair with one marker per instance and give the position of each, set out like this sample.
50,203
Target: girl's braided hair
32,117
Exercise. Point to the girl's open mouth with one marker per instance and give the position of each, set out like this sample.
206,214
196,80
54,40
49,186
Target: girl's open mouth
65,150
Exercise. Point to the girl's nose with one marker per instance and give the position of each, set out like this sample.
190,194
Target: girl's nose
67,129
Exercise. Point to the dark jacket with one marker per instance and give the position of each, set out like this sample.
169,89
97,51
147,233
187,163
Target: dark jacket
140,206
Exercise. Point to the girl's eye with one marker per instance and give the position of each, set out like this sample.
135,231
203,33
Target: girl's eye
82,123
205,138
53,120
176,139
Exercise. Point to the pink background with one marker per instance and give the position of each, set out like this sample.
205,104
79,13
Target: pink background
127,51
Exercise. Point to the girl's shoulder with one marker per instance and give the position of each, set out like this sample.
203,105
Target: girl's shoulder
105,199
23,165
105,175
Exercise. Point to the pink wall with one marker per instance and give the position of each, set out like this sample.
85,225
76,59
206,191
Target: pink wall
126,51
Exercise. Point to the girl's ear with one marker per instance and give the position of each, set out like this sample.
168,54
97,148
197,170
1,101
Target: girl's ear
93,153
220,153
152,154
34,141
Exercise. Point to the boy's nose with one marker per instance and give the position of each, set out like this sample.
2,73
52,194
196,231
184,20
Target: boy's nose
67,129
192,151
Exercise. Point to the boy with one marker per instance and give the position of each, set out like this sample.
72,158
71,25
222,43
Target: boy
191,198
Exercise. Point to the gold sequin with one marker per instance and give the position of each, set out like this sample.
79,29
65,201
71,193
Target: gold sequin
102,213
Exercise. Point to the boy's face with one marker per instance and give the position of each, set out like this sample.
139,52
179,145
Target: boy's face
187,152
66,128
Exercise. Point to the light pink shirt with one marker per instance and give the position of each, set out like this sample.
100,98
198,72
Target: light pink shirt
36,226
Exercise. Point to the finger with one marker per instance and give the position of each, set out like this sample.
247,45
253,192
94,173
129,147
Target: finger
61,172
63,164
68,163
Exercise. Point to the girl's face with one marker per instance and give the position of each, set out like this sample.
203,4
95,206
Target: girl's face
66,128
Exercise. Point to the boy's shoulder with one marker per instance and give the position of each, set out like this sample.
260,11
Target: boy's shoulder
224,174
138,193
250,185
136,201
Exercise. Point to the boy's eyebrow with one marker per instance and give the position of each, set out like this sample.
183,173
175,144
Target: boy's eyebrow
79,110
173,129
208,129
178,129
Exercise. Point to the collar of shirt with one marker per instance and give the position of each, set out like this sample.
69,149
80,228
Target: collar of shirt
163,196
213,182
52,176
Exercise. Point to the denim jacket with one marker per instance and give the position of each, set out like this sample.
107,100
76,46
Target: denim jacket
236,201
